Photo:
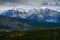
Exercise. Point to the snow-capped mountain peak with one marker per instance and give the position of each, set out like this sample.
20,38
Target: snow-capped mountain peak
42,14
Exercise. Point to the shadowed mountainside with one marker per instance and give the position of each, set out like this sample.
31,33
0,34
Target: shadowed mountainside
16,24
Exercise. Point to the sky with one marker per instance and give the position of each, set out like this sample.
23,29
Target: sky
19,2
27,4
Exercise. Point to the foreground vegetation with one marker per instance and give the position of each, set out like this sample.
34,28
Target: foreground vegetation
40,34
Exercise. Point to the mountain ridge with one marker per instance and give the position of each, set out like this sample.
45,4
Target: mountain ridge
46,14
16,24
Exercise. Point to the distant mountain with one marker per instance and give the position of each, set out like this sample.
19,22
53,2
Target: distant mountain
14,13
43,14
15,24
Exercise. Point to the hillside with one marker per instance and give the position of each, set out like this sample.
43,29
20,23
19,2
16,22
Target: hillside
15,24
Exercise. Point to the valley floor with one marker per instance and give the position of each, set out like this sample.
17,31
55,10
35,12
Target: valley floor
39,34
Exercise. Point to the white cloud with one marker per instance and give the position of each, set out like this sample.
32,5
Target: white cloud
3,8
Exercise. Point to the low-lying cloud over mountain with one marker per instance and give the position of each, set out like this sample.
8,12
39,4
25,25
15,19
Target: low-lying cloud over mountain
28,4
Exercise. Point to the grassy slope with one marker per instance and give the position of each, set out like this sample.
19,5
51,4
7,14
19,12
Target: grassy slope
40,34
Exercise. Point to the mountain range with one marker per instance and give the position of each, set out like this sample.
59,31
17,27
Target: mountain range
43,14
20,19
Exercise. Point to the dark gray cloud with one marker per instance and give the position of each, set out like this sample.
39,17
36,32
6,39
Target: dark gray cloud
18,1
28,2
15,2
10,1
